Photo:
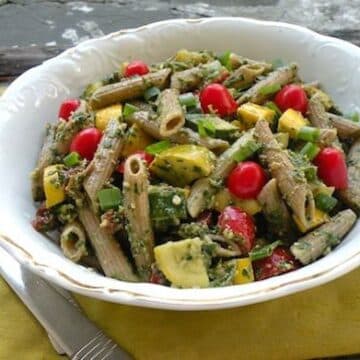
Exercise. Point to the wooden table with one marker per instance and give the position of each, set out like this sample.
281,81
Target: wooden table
34,30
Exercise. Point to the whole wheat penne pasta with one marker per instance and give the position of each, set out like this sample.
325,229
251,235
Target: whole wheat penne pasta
128,88
137,211
319,241
171,116
105,159
73,241
281,77
237,60
345,128
113,261
291,182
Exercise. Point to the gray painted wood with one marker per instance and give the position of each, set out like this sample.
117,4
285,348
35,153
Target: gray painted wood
34,30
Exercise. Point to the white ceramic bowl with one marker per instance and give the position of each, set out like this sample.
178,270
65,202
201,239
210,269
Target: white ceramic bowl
33,99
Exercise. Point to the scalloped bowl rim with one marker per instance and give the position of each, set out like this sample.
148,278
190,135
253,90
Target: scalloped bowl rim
151,295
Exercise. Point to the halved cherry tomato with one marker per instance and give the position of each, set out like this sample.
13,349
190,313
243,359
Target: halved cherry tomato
279,262
67,107
246,180
292,97
217,98
86,142
241,225
331,168
144,156
136,67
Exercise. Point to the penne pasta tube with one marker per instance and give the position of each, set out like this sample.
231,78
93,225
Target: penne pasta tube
128,88
73,241
113,261
137,212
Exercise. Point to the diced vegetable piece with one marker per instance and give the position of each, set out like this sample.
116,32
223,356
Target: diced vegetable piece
224,198
292,97
167,206
217,98
158,147
182,263
244,272
291,121
246,180
72,159
270,89
319,218
262,252
250,113
136,67
283,139
53,185
152,93
214,126
136,139
325,202
182,164
188,100
310,150
103,116
308,133
237,226
129,109
332,168
110,198
279,262
249,147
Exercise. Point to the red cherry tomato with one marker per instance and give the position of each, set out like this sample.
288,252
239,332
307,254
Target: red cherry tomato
86,142
136,67
279,262
331,168
246,180
241,225
216,97
292,97
144,156
67,107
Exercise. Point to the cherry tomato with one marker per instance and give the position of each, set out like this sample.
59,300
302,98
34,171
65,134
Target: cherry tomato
246,180
216,97
86,142
292,97
240,224
144,156
331,168
67,107
279,262
136,67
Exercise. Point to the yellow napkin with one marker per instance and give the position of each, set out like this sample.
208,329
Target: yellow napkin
320,322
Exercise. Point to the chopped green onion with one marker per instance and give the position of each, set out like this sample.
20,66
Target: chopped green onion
310,150
246,151
188,100
72,159
325,202
310,173
158,147
263,252
277,63
129,109
109,198
151,93
206,128
272,106
225,59
308,133
269,89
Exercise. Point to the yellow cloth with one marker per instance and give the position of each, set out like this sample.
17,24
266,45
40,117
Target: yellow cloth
320,322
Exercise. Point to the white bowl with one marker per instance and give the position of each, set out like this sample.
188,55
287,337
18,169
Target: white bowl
33,100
